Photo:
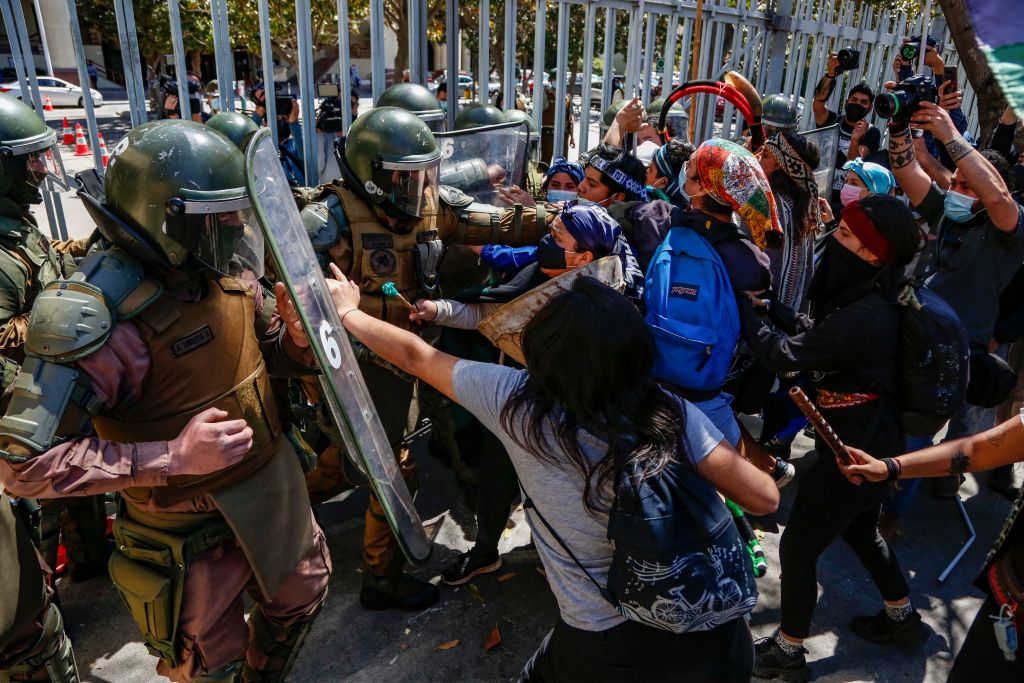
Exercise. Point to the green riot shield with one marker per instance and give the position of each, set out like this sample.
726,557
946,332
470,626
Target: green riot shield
827,140
480,160
345,393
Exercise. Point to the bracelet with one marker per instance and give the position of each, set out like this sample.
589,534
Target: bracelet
894,467
345,315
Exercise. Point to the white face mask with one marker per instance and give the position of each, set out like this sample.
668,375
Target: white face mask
645,151
555,196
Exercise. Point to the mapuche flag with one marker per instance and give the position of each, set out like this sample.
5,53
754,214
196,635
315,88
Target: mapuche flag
999,25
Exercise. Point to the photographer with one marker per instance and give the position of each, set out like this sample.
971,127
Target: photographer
857,137
978,247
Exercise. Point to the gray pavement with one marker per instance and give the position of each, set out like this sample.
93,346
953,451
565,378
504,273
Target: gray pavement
351,644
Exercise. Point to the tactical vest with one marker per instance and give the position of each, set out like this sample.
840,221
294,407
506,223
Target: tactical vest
380,255
202,354
29,257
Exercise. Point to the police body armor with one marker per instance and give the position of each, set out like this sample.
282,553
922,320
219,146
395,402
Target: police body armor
202,354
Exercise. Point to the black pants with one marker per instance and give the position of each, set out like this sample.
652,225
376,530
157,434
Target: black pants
634,652
980,653
812,527
497,489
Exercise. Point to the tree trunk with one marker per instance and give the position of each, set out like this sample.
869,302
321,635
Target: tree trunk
989,97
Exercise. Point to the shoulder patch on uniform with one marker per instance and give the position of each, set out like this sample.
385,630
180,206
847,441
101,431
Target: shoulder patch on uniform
383,262
452,196
192,341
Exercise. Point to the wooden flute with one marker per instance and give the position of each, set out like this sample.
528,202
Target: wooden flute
820,425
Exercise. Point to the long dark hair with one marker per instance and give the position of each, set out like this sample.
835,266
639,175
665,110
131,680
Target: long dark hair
590,354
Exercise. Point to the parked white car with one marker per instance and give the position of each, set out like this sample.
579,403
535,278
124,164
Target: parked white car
60,92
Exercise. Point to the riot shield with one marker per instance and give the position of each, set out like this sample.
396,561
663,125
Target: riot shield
344,389
480,160
827,140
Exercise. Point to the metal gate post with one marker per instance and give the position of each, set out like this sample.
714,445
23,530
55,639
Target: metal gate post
777,52
42,37
304,43
588,74
415,42
178,47
124,13
344,75
377,78
83,77
452,49
508,81
670,54
647,58
483,76
222,54
267,60
609,59
539,33
562,65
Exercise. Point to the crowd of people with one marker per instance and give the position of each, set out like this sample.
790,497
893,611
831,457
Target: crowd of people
685,290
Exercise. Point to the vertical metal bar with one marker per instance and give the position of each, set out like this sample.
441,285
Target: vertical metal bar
609,58
452,48
539,33
16,52
344,75
130,60
686,52
423,32
222,54
590,27
304,44
267,61
632,48
483,75
21,44
42,37
670,54
508,79
416,40
562,65
925,20
377,48
178,47
647,58
83,77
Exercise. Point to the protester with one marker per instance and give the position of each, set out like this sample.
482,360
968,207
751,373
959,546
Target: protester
1003,573
977,250
846,343
560,423
866,178
612,175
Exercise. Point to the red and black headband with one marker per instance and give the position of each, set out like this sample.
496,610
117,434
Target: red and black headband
867,232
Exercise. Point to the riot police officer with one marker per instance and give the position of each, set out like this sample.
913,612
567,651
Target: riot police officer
417,99
388,221
234,126
29,262
478,114
779,113
157,344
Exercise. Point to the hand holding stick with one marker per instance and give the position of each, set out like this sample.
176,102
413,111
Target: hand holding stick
389,290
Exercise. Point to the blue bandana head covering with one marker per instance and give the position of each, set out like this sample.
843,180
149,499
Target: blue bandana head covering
877,178
665,170
597,232
561,165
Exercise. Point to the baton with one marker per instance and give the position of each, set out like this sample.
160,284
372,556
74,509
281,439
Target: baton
821,426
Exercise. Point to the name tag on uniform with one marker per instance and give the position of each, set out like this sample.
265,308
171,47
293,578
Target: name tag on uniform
192,341
373,242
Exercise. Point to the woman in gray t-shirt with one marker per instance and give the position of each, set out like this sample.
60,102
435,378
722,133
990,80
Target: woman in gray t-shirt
588,390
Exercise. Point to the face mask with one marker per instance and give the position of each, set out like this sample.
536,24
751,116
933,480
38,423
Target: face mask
549,255
646,150
839,272
957,207
855,112
849,194
555,196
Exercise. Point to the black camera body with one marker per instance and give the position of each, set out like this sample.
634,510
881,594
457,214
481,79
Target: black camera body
328,117
849,59
906,99
910,51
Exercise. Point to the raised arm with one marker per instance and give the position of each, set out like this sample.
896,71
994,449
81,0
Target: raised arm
824,90
905,166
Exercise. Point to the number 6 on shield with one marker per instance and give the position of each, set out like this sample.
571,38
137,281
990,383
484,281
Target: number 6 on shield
330,344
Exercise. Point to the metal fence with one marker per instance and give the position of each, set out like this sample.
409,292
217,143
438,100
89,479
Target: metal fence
781,47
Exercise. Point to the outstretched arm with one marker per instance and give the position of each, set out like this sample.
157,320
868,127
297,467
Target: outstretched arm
1001,445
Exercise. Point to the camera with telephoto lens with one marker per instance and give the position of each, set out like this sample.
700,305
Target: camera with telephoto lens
849,59
900,104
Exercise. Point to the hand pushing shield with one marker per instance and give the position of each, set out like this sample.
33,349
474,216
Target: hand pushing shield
345,393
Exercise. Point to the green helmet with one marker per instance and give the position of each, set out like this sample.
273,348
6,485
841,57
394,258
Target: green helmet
675,121
28,152
417,99
478,114
236,127
391,160
176,189
779,111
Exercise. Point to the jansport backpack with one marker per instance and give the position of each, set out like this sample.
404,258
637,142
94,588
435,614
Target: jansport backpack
679,563
933,362
691,310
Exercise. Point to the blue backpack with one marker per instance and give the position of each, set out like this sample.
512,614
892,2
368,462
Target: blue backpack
692,312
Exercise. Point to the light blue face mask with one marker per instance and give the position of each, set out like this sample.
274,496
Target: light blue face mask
957,207
555,196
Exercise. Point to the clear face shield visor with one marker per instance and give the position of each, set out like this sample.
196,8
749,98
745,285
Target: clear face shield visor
406,185
222,235
42,160
435,120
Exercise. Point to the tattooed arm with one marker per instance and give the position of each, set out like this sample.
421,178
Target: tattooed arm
905,165
1001,445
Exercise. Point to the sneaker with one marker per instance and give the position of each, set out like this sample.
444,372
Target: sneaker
882,629
770,662
947,487
783,473
780,449
466,567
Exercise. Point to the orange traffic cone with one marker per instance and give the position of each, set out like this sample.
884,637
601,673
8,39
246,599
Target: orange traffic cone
47,105
81,146
69,136
104,154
